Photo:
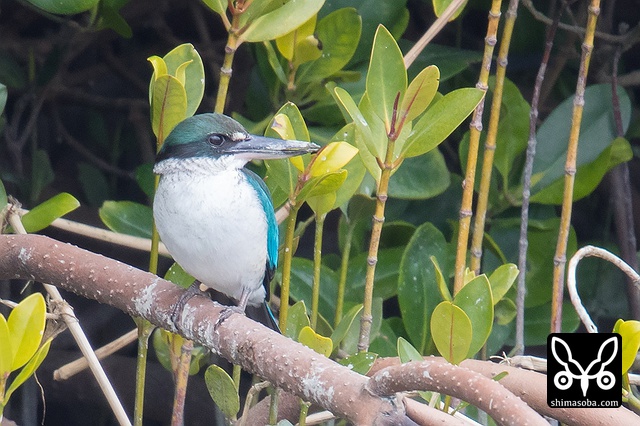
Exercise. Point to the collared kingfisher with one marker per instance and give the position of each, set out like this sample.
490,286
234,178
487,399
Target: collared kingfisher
216,217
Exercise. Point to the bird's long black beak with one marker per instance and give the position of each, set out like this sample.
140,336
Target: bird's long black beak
264,148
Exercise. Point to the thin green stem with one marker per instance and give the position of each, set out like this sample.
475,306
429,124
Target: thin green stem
372,258
273,407
286,267
145,328
226,70
304,410
344,270
317,265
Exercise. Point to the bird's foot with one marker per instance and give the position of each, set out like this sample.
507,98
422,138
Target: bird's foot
192,290
227,311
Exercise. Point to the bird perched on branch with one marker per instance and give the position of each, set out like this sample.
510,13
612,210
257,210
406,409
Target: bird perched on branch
215,217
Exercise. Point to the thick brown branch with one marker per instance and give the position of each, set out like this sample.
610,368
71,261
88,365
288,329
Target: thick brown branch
531,387
240,340
434,374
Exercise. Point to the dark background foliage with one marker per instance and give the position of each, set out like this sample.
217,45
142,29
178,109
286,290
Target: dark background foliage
77,121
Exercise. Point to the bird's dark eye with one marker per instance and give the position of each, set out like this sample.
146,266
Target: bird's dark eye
216,140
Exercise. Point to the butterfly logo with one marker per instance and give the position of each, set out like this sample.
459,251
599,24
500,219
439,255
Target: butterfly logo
573,369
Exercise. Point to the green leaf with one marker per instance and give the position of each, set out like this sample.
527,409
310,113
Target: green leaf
297,319
274,62
94,184
597,130
127,217
313,340
193,74
67,7
3,97
168,105
502,279
588,176
505,311
384,344
332,158
476,300
442,282
630,332
417,285
439,6
28,369
179,276
386,277
3,196
110,17
6,352
420,93
345,324
537,323
451,332
287,44
301,279
355,168
360,362
43,214
26,326
386,77
513,128
440,120
222,390
406,351
41,173
325,184
421,177
281,21
339,33
218,6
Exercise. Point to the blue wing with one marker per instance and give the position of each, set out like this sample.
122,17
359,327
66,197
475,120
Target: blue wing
273,239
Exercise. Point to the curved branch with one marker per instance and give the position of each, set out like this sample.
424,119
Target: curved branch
434,374
240,340
531,387
588,251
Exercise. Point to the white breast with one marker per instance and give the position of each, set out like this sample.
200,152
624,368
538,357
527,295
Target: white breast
214,226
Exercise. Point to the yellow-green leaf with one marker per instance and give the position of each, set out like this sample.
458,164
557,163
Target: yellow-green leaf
386,76
451,332
476,300
44,213
29,369
26,327
439,7
332,158
218,6
297,319
630,332
442,283
281,21
420,92
168,105
159,67
308,49
287,43
181,72
313,340
502,279
6,351
222,390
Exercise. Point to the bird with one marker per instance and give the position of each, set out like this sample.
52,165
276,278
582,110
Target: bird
215,216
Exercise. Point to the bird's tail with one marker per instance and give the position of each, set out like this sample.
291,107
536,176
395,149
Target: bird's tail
264,315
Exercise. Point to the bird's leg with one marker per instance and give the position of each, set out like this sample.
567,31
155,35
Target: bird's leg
229,310
192,290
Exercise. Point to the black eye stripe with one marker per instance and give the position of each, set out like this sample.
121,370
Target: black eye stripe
216,140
